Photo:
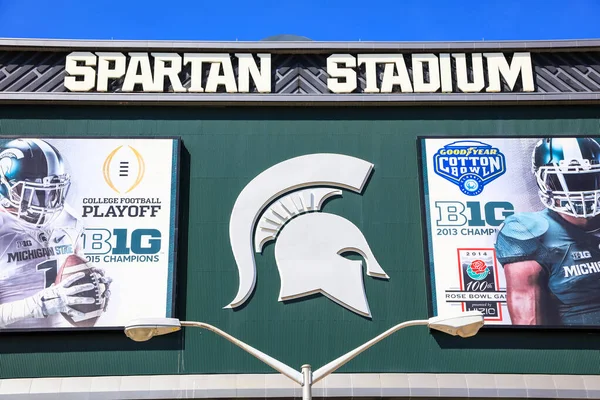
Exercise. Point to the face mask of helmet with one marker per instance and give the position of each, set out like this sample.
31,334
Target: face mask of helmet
573,190
37,203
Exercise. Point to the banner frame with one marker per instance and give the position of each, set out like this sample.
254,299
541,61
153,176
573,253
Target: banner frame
175,215
425,223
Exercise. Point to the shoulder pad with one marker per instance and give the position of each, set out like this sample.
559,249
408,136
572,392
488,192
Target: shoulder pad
523,226
68,220
9,226
520,237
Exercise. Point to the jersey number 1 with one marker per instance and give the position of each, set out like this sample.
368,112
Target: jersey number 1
50,268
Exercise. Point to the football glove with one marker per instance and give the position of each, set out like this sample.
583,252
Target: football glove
52,300
59,298
104,284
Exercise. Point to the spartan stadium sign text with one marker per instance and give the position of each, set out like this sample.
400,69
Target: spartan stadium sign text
383,73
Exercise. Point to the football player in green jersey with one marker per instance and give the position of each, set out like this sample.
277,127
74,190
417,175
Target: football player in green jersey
551,258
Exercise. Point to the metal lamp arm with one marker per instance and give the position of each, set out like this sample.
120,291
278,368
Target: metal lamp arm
270,361
340,361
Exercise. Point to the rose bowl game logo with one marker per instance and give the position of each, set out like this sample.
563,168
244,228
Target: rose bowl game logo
469,164
478,270
479,288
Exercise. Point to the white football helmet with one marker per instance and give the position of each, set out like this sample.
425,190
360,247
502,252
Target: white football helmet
567,172
33,182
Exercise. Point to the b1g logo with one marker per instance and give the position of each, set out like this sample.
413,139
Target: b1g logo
469,164
470,218
121,245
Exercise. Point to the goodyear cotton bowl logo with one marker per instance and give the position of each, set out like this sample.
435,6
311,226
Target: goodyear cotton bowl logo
123,169
469,164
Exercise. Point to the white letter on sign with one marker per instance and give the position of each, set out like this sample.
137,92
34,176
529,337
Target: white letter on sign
434,73
370,61
144,78
104,70
247,67
214,74
497,65
162,71
86,71
343,76
462,81
389,80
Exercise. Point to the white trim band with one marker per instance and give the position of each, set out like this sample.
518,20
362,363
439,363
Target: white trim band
194,99
275,385
71,44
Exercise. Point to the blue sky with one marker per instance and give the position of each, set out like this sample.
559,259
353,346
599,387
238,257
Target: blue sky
384,20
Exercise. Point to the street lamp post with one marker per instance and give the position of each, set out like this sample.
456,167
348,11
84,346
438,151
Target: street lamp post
465,324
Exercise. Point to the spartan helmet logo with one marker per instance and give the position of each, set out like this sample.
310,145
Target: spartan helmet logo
280,204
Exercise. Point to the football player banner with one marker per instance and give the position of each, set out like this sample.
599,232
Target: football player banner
87,234
513,228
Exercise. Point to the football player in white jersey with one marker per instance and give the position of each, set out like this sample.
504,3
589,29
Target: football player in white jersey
37,234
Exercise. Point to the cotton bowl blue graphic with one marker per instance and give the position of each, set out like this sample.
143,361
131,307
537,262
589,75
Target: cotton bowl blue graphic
471,185
469,164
